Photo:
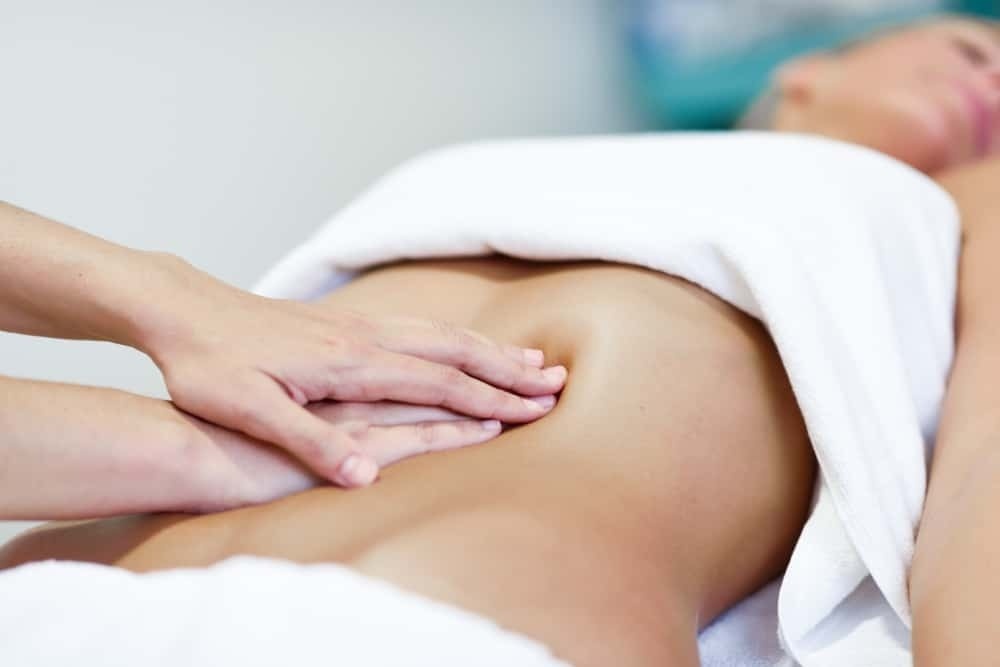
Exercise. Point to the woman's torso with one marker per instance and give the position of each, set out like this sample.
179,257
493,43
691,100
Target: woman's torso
567,524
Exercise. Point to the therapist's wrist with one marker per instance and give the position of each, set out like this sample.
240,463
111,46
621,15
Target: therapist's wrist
172,299
100,452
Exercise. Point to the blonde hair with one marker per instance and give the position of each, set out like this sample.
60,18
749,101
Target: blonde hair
760,115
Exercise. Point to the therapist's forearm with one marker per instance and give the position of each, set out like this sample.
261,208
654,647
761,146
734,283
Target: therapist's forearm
59,282
77,452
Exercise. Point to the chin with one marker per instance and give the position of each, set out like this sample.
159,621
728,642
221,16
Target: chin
929,152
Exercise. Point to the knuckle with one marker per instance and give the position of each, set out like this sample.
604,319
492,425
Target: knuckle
450,384
247,414
462,356
340,348
362,391
350,352
426,435
363,354
464,430
358,431
507,403
464,342
442,328
508,375
336,351
451,376
351,380
512,352
449,332
435,395
357,322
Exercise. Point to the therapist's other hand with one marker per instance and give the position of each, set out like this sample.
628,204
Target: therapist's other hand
238,470
251,364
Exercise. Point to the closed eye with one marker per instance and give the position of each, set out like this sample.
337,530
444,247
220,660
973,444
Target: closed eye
973,53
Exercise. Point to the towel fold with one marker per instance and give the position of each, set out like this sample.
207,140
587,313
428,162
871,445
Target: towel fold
249,612
848,257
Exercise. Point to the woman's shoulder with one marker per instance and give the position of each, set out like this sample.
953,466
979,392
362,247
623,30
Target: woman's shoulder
975,188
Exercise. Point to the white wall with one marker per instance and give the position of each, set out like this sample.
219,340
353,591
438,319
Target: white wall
225,131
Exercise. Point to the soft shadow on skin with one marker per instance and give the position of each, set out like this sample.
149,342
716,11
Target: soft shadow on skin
103,541
494,268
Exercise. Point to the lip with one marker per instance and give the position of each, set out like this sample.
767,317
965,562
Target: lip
982,118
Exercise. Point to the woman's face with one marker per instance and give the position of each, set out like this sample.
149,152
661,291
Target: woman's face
928,95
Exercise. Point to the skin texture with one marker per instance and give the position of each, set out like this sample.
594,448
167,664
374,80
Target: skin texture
954,584
928,95
605,530
164,459
235,359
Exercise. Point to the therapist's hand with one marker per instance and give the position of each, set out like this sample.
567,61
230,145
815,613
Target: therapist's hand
238,470
251,364
73,452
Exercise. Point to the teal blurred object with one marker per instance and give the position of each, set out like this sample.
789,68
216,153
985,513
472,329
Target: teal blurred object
700,74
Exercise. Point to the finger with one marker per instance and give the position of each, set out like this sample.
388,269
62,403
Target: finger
475,354
526,355
387,376
384,413
265,412
532,357
388,444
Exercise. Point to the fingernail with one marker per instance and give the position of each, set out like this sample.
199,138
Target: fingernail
540,403
357,471
555,374
490,425
534,357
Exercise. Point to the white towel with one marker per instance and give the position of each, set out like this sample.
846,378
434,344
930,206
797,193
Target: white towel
246,612
847,256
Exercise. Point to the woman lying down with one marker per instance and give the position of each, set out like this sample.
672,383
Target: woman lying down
759,332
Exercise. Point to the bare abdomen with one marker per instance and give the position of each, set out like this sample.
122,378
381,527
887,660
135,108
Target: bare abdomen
676,444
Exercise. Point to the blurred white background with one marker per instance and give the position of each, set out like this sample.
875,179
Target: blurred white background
226,131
